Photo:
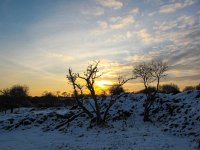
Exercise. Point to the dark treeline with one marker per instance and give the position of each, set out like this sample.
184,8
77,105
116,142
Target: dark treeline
17,96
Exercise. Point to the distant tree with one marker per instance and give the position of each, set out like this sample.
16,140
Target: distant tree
48,94
15,96
150,72
64,94
188,88
58,93
5,92
5,102
18,91
169,88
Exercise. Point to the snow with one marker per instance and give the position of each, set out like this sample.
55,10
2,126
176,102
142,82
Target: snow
121,134
139,137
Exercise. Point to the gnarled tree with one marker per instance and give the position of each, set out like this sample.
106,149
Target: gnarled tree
150,72
91,74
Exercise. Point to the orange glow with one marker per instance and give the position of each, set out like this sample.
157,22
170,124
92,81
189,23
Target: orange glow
102,86
103,83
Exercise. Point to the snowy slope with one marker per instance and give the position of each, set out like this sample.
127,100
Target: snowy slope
31,128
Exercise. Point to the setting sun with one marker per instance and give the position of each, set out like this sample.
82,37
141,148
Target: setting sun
103,84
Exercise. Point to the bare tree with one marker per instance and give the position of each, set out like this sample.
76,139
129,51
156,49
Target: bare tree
91,74
72,77
150,72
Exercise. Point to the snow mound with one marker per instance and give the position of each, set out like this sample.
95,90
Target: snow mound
175,123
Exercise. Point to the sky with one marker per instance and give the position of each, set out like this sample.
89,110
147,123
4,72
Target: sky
41,39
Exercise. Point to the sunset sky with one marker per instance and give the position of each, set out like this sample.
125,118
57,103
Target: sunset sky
41,39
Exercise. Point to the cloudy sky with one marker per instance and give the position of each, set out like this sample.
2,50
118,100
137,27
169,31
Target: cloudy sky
40,39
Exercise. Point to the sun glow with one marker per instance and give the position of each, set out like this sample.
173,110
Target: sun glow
103,84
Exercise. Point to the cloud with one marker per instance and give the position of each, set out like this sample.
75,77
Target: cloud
129,34
143,57
59,57
164,26
172,7
115,4
112,69
102,24
152,13
120,22
134,11
145,36
186,21
148,38
96,11
109,26
182,22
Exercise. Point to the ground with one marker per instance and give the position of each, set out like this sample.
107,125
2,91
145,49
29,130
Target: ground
131,133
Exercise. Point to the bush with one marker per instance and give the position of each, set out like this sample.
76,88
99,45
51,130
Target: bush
188,88
150,89
14,97
198,87
18,91
116,90
169,88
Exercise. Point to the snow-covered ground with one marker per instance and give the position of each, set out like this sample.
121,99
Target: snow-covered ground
36,129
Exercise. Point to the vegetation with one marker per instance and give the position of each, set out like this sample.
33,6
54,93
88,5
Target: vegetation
188,88
116,90
14,97
198,87
89,76
150,72
170,88
18,96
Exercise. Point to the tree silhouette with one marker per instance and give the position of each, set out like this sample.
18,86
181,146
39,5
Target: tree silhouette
150,72
89,76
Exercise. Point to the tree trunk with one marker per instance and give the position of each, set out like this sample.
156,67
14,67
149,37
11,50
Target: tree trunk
146,115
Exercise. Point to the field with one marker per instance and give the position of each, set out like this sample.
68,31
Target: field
175,125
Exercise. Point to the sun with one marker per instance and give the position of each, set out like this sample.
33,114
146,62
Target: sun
103,84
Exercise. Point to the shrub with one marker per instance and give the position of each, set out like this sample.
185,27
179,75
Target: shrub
188,88
15,96
116,90
198,87
169,88
150,89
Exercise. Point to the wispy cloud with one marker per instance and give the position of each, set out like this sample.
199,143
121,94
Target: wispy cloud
172,7
146,37
112,25
134,11
93,11
143,57
115,4
121,22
